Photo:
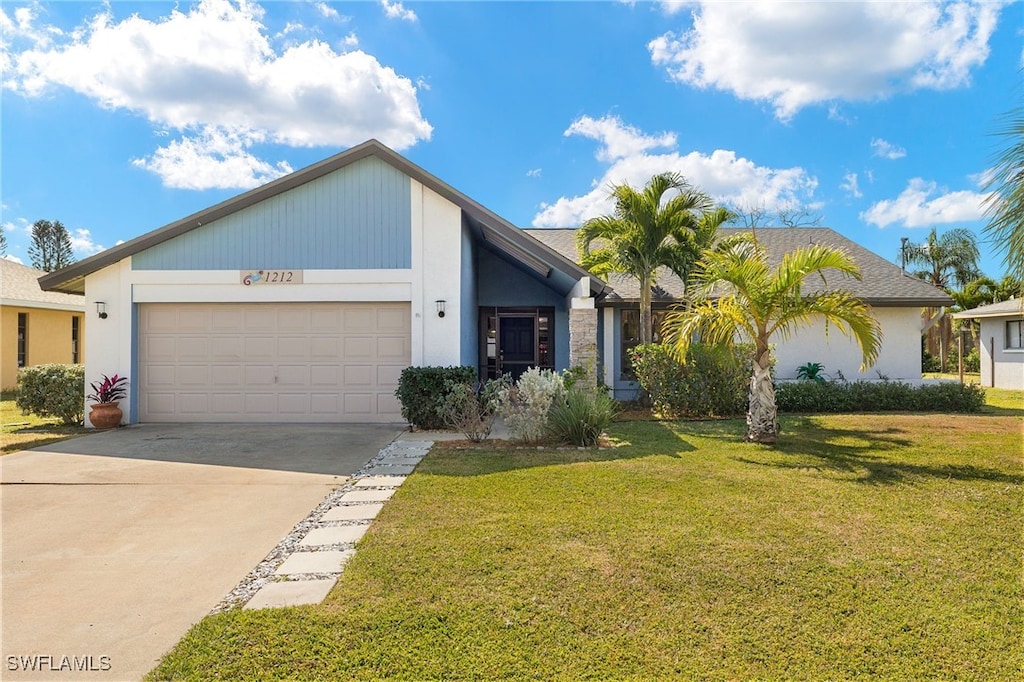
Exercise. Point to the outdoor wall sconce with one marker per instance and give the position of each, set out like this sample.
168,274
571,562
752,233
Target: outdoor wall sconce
440,307
101,309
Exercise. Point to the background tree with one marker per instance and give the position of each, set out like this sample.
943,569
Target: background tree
648,230
758,215
1005,206
949,261
51,246
738,297
3,241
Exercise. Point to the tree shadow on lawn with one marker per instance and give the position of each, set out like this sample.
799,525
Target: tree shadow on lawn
629,440
807,444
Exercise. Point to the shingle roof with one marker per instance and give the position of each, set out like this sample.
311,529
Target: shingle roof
882,282
1011,308
19,286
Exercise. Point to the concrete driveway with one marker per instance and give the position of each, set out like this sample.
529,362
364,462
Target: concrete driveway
114,544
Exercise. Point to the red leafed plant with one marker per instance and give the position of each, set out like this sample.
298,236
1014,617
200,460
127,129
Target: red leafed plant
110,390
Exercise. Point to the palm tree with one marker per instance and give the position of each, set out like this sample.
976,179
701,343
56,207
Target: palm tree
738,297
948,261
1005,206
646,232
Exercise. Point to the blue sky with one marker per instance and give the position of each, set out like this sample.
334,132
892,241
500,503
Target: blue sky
118,118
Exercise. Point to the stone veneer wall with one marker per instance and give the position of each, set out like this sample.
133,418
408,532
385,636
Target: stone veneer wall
583,341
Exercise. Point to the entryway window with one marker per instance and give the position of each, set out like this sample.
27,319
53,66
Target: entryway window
74,340
514,339
630,336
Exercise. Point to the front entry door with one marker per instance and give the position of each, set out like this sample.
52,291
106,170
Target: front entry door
517,345
514,339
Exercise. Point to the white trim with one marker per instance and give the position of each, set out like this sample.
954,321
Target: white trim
237,293
189,277
18,303
609,354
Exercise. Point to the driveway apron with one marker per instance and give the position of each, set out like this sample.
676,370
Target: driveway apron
114,544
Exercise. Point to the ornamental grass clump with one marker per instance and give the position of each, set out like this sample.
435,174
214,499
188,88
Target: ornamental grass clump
582,416
525,406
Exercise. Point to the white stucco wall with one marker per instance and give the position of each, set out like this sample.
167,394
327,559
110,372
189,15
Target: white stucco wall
1000,366
435,274
899,359
437,269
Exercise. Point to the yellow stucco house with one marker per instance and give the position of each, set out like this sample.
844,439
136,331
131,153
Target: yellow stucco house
36,327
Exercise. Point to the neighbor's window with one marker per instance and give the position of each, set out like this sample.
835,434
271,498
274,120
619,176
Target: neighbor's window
22,339
1015,334
74,340
631,336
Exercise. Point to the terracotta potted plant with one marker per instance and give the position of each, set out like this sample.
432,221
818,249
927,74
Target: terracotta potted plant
104,413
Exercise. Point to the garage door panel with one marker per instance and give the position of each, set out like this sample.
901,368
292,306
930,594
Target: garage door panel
227,348
223,404
294,362
293,375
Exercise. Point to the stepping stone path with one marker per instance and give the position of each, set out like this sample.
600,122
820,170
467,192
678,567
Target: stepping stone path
303,568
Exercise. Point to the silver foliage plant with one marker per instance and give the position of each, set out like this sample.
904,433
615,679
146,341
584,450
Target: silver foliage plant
526,405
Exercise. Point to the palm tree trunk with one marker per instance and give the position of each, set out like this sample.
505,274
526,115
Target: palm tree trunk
646,324
762,414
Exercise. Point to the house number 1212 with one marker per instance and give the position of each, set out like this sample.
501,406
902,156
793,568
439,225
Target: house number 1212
251,277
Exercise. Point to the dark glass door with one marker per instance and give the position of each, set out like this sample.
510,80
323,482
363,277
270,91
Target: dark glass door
517,344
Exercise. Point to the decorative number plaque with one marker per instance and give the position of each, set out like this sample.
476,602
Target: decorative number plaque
253,277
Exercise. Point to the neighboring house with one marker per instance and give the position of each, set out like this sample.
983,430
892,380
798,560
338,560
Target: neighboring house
304,299
36,326
1002,342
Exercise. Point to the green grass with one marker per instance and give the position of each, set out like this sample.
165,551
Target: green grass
864,546
21,432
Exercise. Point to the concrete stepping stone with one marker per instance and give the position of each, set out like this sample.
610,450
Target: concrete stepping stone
329,561
353,512
385,469
380,482
379,495
333,535
291,593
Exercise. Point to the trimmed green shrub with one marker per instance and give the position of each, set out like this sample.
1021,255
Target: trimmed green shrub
422,392
714,382
877,396
53,391
581,417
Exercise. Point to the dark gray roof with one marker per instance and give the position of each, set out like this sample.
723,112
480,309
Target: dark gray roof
882,282
496,232
1012,308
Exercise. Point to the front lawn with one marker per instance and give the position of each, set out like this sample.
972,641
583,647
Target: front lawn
869,546
22,432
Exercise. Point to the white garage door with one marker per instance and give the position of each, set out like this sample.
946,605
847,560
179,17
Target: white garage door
281,362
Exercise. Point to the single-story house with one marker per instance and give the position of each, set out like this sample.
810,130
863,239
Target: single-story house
36,327
303,300
1001,341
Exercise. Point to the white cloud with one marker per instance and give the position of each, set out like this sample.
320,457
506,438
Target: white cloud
82,243
533,173
213,68
850,185
916,206
352,40
326,10
887,150
795,54
728,178
213,159
13,259
396,10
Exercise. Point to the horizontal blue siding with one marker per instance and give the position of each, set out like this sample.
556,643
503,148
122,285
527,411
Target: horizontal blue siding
358,217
